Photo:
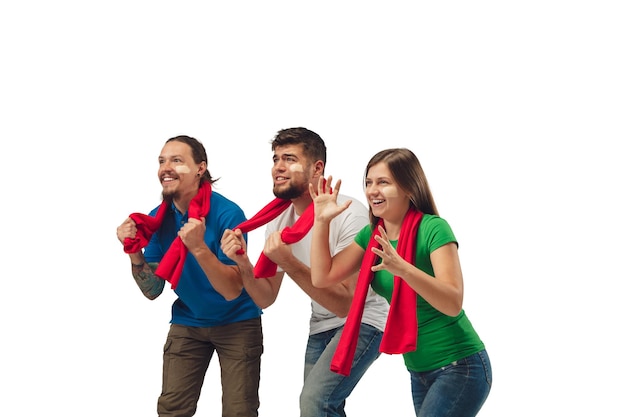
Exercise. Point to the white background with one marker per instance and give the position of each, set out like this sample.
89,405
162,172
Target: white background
515,109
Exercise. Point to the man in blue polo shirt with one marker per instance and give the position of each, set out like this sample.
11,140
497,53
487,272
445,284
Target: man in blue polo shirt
213,313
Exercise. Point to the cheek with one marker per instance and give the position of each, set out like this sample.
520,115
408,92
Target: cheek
182,169
390,191
296,168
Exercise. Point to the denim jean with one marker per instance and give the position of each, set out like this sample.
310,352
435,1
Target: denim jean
324,392
456,390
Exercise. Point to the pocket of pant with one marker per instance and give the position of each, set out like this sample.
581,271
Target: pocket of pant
167,345
254,352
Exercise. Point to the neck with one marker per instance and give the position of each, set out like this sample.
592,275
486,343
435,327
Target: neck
393,226
182,201
301,203
392,230
182,204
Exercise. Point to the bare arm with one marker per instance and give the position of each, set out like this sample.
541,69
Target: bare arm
335,298
327,270
444,291
263,291
224,278
150,285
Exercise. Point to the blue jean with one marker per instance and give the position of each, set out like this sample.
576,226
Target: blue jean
456,390
324,392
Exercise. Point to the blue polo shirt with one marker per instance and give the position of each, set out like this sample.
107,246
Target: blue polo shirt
198,304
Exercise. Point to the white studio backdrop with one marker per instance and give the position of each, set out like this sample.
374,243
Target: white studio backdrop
515,109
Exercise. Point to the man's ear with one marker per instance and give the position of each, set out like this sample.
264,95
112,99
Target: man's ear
201,168
319,168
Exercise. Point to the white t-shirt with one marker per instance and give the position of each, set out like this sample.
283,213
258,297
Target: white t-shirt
343,228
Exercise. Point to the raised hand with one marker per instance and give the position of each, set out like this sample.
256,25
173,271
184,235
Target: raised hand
325,199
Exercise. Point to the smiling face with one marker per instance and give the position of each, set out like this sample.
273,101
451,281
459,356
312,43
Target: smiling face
386,199
291,172
178,173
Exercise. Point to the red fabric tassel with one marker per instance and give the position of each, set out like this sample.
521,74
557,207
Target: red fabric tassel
264,267
172,263
400,334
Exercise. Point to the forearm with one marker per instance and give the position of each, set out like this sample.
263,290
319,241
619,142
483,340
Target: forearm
335,298
225,279
263,291
321,260
443,296
150,285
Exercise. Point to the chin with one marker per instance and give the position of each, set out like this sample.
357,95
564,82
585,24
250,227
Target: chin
169,195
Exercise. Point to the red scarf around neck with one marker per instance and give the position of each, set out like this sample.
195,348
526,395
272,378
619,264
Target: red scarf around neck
400,334
264,267
172,263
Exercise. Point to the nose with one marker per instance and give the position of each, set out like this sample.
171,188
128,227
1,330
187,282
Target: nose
279,165
166,165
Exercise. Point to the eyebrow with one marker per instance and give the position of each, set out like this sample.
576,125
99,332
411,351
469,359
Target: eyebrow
286,155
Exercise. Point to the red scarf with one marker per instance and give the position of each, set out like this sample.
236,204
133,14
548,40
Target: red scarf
171,265
400,334
264,267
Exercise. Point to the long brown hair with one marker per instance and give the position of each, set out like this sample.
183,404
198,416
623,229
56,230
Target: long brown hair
199,154
408,173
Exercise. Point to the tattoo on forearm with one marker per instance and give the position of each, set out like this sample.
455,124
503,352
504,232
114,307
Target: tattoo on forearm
150,285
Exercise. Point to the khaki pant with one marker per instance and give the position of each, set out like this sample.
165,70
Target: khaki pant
186,357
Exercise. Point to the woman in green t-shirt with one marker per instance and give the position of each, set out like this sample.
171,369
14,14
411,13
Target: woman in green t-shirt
409,255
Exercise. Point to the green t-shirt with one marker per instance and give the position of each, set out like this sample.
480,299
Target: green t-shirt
441,339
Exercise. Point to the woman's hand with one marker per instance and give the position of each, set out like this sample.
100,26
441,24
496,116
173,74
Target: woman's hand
389,258
325,199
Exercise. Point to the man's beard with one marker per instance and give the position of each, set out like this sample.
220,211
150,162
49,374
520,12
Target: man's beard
291,192
169,196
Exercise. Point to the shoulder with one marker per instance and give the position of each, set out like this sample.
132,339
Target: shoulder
364,235
220,200
436,230
223,206
434,221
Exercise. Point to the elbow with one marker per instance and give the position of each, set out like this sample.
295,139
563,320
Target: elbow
342,314
343,309
263,304
320,282
452,312
454,308
232,293
316,280
231,296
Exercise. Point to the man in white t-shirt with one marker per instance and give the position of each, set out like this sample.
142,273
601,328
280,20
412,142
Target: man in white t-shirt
299,159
